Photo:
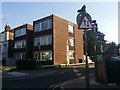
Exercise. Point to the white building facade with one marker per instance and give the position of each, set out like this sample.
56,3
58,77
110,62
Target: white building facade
6,44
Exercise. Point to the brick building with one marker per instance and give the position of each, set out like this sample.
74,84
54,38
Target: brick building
57,41
23,42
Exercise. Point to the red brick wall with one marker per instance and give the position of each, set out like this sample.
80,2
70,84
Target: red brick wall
79,49
60,35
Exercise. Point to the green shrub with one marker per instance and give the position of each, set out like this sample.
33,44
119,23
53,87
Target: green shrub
26,64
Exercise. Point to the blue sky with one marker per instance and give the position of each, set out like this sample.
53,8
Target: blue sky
106,14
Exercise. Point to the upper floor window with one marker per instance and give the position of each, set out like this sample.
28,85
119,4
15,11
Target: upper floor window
43,25
20,44
71,41
44,40
70,28
20,32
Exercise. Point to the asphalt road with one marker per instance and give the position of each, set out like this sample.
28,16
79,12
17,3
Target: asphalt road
44,82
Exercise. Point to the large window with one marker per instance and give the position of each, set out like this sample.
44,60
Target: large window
20,56
44,40
46,55
20,44
43,56
20,32
71,54
43,25
36,41
70,28
71,41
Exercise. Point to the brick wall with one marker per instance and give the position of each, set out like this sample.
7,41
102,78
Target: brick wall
79,49
60,35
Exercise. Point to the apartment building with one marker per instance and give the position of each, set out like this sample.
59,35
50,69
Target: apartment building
23,42
57,41
6,45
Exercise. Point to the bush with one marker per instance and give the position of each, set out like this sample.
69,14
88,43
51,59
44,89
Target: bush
26,64
48,62
3,62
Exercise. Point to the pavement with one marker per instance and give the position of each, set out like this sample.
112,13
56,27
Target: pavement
68,85
79,83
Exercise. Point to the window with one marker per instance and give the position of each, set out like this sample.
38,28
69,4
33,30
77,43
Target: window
23,55
46,24
23,31
46,55
41,41
23,43
20,32
50,39
70,28
35,55
43,25
17,33
71,41
49,24
44,40
47,40
18,56
71,54
20,44
37,27
36,41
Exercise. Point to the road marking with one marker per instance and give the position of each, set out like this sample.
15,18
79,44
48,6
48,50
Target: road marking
76,71
17,73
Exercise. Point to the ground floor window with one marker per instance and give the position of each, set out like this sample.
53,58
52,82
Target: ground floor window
46,55
37,55
43,55
18,56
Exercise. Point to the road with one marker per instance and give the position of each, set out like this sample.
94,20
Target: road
45,81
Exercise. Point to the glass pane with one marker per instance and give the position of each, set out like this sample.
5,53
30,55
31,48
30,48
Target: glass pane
23,31
37,27
40,26
46,24
43,25
70,28
71,41
36,41
71,54
46,56
50,24
50,39
47,40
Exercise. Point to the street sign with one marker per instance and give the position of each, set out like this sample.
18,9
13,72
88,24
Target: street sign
100,58
85,23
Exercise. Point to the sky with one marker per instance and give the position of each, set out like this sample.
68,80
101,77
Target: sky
105,13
